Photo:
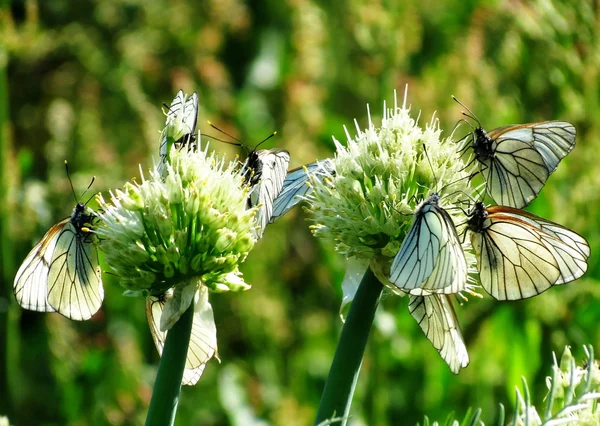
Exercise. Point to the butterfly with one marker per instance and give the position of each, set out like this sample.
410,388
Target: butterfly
520,255
203,338
517,160
61,273
296,185
431,259
436,317
180,126
264,170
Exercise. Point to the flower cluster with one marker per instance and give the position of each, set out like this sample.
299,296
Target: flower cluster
401,201
157,234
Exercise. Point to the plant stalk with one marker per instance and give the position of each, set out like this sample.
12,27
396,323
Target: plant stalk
343,375
165,396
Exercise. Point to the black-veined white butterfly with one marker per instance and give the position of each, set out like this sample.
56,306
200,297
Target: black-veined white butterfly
436,317
203,338
61,273
296,185
520,255
265,170
517,160
181,120
431,259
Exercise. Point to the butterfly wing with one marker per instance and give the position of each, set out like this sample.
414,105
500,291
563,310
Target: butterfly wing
520,255
523,158
268,171
436,317
430,259
31,282
203,339
515,174
569,249
552,139
296,185
74,278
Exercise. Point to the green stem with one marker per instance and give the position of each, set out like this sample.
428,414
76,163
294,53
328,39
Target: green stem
165,396
343,375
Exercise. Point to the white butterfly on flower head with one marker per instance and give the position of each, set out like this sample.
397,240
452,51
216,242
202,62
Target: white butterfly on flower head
517,160
61,273
180,126
520,255
296,185
431,259
264,170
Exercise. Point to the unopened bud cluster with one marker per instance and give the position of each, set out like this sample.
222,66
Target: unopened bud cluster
191,224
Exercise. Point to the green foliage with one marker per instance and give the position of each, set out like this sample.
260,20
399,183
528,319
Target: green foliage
85,83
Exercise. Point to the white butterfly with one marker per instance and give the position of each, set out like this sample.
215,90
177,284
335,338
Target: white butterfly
61,273
431,259
517,160
436,317
296,185
520,255
265,170
203,339
180,126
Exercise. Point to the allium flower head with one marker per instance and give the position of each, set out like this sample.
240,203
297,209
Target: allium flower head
191,225
382,174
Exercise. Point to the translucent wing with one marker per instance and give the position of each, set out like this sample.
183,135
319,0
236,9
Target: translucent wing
552,139
74,277
180,126
31,282
265,170
518,159
520,255
570,250
436,317
516,174
203,340
431,259
296,185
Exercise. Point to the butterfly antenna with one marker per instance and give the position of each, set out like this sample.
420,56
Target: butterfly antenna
470,113
225,133
265,139
70,181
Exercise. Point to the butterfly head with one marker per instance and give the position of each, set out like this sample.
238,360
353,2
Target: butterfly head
477,217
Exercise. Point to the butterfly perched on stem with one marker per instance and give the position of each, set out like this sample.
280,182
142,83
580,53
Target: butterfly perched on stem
520,255
61,273
203,339
517,160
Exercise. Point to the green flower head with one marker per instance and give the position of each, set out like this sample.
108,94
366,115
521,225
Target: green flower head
192,224
382,174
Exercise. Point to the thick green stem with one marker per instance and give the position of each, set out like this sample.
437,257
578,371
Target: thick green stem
343,375
165,396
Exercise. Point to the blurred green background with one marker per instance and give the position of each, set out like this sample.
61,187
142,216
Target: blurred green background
85,80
